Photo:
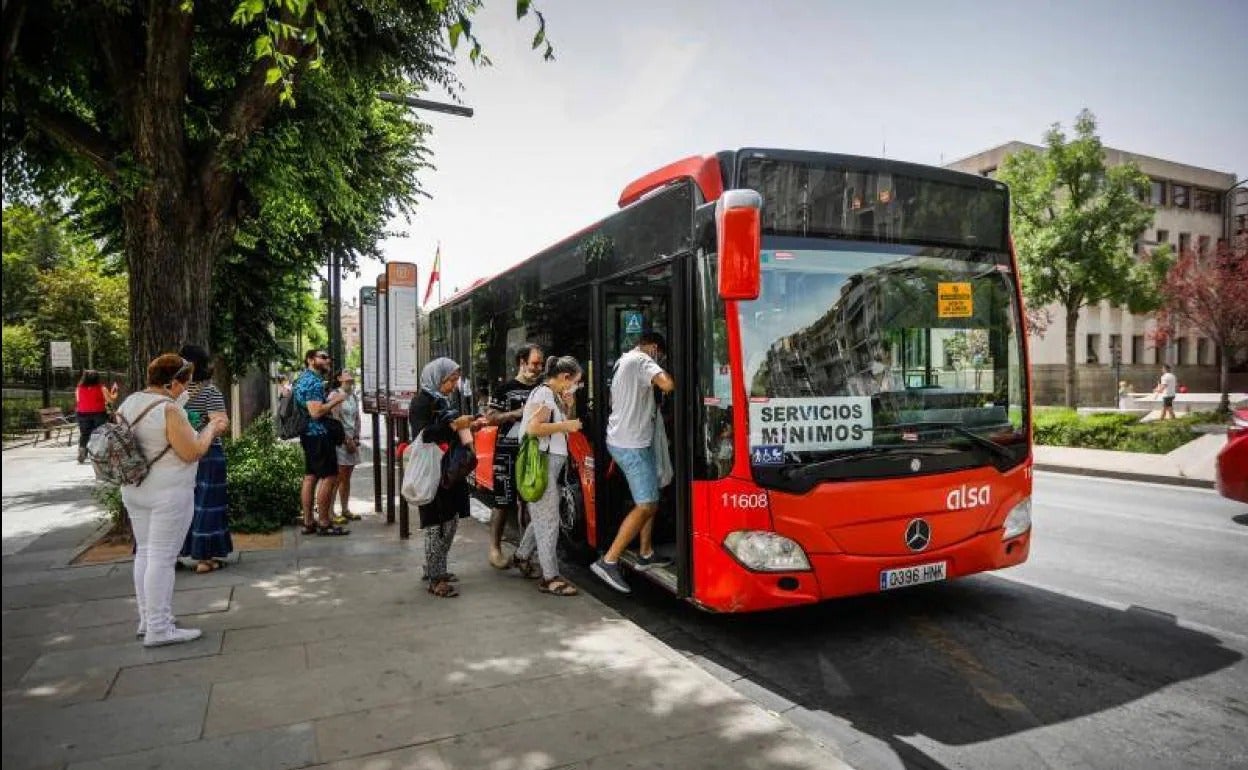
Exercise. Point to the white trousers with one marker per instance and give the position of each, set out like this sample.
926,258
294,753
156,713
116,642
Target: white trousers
160,516
542,534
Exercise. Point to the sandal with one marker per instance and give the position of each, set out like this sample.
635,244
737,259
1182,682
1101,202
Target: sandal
309,529
443,589
557,586
349,516
449,577
204,567
332,531
526,567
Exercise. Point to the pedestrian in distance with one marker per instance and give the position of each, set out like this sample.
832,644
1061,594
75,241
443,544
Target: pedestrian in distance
546,416
319,452
434,417
208,542
348,413
630,435
162,505
505,411
92,400
1167,387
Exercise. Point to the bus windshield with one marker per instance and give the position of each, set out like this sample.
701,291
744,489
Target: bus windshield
857,348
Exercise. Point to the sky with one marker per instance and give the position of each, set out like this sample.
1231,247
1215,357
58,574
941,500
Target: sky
636,85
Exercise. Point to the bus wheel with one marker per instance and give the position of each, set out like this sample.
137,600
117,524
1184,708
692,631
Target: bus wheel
572,523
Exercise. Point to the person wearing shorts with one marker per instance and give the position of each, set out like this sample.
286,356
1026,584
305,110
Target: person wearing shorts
320,456
630,431
1167,386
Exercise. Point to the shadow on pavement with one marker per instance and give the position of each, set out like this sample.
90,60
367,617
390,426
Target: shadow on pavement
962,663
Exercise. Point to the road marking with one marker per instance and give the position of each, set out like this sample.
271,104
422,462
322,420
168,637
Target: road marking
1229,529
988,687
1191,625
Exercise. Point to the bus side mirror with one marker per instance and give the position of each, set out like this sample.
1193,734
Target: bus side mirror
738,219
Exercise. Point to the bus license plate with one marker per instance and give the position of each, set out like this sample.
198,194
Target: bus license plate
912,576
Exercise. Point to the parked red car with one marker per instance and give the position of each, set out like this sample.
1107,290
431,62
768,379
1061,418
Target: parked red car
1232,473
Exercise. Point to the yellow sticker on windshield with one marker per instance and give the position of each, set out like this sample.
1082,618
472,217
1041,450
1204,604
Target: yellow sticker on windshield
954,300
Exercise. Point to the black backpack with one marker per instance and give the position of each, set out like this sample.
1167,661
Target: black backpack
292,419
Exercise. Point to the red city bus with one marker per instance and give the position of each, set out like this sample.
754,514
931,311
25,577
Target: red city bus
852,409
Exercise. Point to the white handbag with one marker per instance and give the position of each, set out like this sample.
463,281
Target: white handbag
422,472
662,457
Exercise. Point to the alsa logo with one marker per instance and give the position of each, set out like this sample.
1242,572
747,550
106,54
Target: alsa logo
968,497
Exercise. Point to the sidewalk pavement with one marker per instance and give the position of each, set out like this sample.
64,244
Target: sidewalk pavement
1192,464
329,653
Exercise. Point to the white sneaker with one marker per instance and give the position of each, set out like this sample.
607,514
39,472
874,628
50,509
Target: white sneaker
172,636
142,630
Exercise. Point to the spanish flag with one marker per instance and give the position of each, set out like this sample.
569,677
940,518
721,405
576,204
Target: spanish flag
435,274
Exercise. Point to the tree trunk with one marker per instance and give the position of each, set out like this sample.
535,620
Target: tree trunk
1072,373
1224,381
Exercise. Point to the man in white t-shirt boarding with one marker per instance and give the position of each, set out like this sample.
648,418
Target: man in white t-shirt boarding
630,433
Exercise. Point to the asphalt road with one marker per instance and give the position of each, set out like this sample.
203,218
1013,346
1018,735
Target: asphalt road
1120,644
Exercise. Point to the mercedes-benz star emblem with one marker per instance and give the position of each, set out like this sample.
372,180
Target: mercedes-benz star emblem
918,535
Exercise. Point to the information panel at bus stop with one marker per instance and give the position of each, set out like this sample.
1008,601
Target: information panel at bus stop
401,321
368,347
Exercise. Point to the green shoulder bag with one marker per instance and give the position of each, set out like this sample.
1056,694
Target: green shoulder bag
530,470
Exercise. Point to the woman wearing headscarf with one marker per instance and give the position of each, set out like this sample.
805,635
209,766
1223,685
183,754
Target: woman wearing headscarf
435,418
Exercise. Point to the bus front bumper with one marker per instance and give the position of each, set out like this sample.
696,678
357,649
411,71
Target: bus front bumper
733,588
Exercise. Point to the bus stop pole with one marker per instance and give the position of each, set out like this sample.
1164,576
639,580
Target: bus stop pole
376,458
405,522
389,414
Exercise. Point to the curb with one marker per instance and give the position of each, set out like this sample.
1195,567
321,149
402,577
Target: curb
1178,481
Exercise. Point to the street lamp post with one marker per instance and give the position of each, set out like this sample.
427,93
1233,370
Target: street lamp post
90,325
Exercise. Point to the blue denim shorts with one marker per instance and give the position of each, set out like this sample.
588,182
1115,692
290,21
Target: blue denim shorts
641,471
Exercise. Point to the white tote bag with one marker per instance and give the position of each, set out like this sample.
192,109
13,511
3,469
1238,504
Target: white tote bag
422,472
662,457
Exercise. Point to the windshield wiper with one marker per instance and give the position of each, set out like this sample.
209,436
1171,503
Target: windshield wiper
961,430
808,469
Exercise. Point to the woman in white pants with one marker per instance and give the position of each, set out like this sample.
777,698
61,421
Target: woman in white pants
162,506
545,417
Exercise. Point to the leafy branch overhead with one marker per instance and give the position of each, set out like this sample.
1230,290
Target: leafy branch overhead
226,148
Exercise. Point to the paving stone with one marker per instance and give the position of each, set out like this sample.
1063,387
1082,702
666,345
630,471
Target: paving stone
81,686
782,748
281,748
110,586
440,717
44,736
428,757
16,664
73,639
133,653
192,601
35,621
68,574
172,675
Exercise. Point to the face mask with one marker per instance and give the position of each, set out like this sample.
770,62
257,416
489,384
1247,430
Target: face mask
348,387
182,399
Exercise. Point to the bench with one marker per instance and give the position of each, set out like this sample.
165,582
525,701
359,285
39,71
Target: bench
53,422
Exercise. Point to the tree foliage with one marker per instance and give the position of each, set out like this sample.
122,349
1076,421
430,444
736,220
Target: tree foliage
1074,222
55,282
1209,295
226,148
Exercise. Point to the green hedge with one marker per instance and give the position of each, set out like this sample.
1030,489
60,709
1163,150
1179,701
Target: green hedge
263,479
1122,432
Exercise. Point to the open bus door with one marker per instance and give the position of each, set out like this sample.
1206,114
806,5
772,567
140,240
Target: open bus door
624,307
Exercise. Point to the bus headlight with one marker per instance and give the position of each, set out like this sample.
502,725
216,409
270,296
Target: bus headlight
766,551
1018,521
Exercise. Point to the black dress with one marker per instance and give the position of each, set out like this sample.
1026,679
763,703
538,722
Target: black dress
434,416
